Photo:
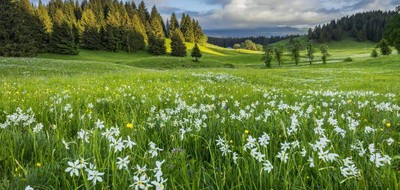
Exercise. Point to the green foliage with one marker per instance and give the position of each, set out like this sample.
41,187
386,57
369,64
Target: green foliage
268,55
44,17
348,59
196,53
295,47
62,39
91,36
156,23
21,32
187,28
374,53
310,53
384,47
157,45
324,52
139,27
178,46
392,31
278,52
173,24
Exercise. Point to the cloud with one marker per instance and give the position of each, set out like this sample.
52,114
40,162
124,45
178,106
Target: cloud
263,13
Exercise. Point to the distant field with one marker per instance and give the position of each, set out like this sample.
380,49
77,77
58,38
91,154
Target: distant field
104,120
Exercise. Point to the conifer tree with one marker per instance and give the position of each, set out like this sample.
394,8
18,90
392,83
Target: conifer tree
144,16
62,39
156,24
157,45
141,38
187,28
178,47
196,53
19,32
111,38
173,24
91,38
384,47
198,32
44,17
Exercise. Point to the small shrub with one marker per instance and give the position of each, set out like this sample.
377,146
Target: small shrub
348,59
374,53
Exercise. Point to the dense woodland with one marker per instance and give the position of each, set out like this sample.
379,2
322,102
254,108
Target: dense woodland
230,42
64,26
361,26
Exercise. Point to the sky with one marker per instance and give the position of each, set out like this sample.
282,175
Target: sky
239,14
234,14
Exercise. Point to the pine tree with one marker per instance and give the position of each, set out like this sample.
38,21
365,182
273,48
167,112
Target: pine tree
187,28
62,39
178,47
392,30
198,32
144,16
112,37
140,32
44,17
20,31
384,47
196,53
157,45
310,53
91,38
173,24
156,24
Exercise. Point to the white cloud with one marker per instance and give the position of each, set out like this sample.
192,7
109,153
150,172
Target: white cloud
262,13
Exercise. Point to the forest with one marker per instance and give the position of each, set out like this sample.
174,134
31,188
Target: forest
63,27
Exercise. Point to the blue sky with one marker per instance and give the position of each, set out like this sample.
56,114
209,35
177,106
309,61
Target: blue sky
229,14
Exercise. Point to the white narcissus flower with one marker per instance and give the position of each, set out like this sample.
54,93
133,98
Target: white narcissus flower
122,163
95,176
73,168
29,188
267,166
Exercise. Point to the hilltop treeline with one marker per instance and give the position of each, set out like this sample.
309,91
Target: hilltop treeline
64,26
362,26
230,42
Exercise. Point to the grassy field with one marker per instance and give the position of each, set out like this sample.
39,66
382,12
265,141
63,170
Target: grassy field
105,120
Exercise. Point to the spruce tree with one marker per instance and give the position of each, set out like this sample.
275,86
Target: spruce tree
20,30
196,53
44,17
384,47
178,47
91,38
141,38
156,23
187,28
157,45
173,24
112,37
62,39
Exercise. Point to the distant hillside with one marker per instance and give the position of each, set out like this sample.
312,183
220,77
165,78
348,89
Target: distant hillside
361,26
267,32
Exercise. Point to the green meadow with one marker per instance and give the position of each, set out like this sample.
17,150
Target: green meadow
102,120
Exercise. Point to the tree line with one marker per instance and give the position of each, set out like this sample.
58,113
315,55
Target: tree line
64,26
362,26
230,42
